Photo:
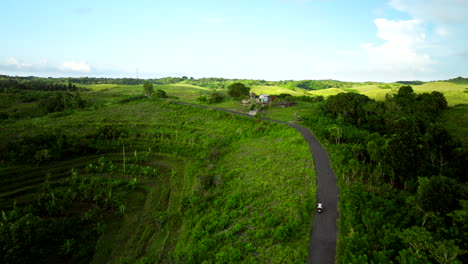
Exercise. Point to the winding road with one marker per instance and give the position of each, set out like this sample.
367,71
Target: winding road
322,249
323,238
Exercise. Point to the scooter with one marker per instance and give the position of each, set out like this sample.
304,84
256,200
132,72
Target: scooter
319,208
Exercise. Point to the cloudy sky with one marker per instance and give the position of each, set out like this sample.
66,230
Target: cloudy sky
374,40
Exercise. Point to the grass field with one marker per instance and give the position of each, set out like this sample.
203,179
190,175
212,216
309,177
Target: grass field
185,92
454,93
220,177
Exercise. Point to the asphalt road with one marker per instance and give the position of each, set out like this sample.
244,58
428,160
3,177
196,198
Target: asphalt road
322,249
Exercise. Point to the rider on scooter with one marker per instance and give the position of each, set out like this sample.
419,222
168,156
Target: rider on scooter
319,207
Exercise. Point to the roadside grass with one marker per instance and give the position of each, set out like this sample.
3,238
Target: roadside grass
231,104
289,114
259,211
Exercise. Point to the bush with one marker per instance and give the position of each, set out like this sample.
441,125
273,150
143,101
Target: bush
161,94
216,97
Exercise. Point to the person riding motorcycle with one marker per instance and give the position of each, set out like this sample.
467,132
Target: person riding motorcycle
319,207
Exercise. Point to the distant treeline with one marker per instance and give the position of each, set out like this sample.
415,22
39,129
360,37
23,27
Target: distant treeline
35,84
411,82
214,83
459,80
315,84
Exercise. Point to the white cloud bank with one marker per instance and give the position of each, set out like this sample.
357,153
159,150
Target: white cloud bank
14,63
401,50
416,48
15,66
75,66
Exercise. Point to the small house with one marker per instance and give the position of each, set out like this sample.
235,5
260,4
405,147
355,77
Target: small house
264,98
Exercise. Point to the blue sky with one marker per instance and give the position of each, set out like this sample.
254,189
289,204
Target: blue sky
376,40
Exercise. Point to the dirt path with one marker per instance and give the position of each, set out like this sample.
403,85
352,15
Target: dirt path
322,249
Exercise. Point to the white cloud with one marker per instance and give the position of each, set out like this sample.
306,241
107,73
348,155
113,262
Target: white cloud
75,66
14,62
435,11
401,50
14,65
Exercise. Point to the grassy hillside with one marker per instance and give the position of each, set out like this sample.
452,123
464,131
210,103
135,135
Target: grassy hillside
225,188
263,89
454,93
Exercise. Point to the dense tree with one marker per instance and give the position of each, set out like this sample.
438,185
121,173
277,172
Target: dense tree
148,87
215,97
439,194
405,146
238,90
61,101
14,83
348,105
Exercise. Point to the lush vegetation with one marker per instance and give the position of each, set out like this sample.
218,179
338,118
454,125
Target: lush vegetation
154,181
403,183
109,175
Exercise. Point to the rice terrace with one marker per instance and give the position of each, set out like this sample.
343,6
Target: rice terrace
198,132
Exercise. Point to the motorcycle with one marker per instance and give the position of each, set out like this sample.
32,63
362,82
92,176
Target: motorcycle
319,208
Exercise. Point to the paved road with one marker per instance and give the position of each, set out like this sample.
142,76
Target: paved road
322,248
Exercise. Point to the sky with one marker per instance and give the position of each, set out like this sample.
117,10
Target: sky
374,40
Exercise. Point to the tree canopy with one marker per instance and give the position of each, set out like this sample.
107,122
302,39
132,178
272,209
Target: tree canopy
148,87
238,90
